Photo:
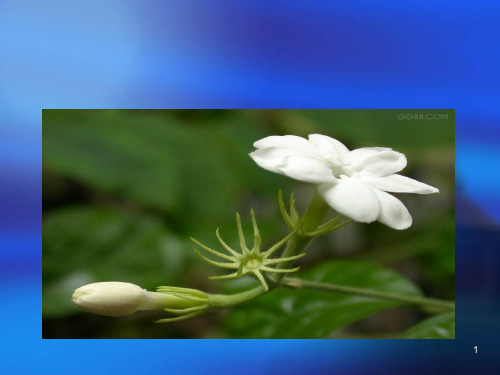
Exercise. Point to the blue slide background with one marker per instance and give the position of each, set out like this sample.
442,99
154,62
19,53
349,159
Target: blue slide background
249,54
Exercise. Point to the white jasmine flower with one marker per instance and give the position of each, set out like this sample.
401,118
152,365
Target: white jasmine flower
354,183
115,298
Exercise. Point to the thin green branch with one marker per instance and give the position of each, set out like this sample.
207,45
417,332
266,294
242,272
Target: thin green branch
279,270
219,254
284,213
225,245
214,263
243,244
297,283
279,260
178,318
229,276
221,301
256,234
186,310
261,279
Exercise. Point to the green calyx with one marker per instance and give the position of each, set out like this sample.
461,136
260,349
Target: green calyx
295,221
190,303
248,261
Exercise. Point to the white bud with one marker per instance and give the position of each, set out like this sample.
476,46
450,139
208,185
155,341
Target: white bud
112,298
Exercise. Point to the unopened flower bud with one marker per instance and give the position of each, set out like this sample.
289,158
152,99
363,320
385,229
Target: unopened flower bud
115,298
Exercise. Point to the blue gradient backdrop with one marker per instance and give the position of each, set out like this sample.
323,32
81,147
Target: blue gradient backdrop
249,54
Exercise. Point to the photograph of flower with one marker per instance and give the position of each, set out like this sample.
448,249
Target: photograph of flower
252,223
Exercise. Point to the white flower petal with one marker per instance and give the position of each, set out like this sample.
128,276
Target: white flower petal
285,162
306,169
271,158
329,148
291,142
352,199
396,183
393,212
377,161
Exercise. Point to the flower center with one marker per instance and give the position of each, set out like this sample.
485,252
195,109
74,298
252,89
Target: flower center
341,169
253,263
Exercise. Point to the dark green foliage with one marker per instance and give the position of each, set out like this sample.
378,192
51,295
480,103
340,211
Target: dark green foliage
438,327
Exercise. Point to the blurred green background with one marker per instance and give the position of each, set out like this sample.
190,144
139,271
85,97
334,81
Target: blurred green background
124,189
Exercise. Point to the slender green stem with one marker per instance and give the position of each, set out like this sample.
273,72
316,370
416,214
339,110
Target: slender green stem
222,301
315,213
296,244
313,217
411,300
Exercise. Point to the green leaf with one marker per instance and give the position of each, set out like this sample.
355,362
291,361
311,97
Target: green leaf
114,153
437,327
156,160
85,245
438,265
285,313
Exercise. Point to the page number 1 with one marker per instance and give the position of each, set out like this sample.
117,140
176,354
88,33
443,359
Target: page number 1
475,349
